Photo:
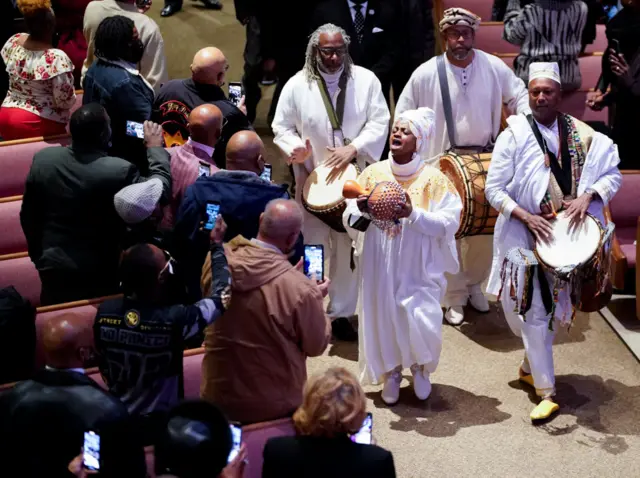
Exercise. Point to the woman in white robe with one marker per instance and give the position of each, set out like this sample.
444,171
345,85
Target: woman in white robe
402,278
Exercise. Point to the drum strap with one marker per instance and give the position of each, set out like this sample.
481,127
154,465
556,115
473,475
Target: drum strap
562,174
545,291
446,99
335,115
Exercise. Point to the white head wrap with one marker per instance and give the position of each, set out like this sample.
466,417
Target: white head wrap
459,17
544,70
421,122
137,202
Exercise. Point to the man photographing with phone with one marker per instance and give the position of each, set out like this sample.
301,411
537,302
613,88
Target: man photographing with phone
619,83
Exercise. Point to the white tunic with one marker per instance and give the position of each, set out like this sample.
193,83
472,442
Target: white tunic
519,177
477,92
301,115
402,277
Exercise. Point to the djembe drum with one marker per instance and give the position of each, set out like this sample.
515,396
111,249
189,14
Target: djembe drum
468,173
382,202
323,198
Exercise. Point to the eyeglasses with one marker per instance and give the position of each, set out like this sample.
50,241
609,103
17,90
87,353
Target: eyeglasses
453,34
329,52
169,265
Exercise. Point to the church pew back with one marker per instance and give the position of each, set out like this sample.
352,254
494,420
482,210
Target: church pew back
12,238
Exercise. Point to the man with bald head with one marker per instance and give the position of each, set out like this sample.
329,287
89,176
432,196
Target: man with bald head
43,420
254,366
242,195
194,158
177,98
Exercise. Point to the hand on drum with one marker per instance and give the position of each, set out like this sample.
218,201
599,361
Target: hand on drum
300,154
405,210
540,228
341,156
576,209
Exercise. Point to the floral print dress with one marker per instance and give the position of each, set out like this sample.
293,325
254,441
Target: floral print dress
40,82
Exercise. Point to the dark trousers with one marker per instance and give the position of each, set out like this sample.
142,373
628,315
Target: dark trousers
64,285
252,69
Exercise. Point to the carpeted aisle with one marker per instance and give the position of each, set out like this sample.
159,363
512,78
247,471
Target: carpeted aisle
475,424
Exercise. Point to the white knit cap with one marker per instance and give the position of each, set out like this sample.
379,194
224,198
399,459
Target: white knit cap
544,70
421,122
136,202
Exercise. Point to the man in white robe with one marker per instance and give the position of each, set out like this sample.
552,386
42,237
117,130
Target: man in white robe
523,186
402,276
479,86
304,132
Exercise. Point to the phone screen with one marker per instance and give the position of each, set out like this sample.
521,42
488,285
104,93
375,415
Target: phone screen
615,45
365,434
213,209
91,453
266,173
235,93
135,129
236,438
314,262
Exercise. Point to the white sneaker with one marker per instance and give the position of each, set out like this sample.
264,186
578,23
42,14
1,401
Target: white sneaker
421,382
478,301
454,315
391,389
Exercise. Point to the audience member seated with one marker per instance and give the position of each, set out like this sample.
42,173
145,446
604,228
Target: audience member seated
242,195
178,98
547,30
152,65
69,28
68,217
114,82
140,329
333,409
195,442
43,420
41,92
254,366
621,73
194,158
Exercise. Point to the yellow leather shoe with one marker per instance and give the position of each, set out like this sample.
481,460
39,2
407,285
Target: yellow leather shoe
525,378
544,410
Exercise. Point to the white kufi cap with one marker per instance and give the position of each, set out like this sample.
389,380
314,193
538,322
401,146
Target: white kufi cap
544,70
421,122
136,202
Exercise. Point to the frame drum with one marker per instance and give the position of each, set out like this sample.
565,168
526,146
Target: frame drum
324,200
468,173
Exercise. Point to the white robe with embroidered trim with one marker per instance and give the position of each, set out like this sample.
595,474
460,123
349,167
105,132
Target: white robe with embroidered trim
402,278
477,110
518,176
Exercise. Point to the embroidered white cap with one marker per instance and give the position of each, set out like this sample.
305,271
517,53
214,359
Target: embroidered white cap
549,70
459,17
136,202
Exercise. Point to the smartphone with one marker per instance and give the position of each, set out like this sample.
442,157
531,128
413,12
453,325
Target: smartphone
266,172
365,434
314,262
91,453
135,129
615,45
235,93
213,209
236,438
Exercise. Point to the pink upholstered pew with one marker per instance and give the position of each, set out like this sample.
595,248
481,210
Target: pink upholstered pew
600,43
489,39
12,238
18,270
16,158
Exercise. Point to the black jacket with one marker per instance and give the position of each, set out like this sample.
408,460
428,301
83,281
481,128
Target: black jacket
379,50
43,420
417,36
177,98
67,214
126,97
311,457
